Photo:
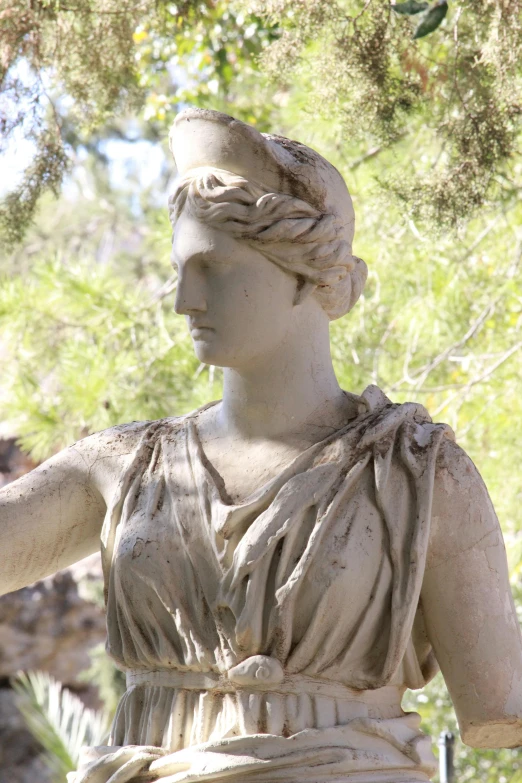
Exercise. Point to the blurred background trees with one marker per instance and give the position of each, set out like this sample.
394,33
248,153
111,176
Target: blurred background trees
426,131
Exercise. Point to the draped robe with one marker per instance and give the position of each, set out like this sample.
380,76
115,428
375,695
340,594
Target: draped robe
271,640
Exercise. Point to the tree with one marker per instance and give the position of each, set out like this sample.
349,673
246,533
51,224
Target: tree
437,86
70,72
447,87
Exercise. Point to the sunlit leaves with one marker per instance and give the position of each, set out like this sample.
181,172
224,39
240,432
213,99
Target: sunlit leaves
451,97
208,57
77,62
45,172
89,66
91,351
58,720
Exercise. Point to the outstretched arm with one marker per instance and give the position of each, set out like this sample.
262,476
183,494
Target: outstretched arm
468,607
49,519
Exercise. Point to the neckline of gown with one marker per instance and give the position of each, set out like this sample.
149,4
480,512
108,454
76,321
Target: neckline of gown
257,496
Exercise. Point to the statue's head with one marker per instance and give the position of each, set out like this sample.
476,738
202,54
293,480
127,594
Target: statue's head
272,205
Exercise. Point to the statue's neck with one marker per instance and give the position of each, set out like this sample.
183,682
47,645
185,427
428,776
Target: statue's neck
281,393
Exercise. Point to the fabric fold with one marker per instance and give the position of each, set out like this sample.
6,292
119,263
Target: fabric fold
363,751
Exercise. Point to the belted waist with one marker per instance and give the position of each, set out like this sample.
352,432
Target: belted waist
262,673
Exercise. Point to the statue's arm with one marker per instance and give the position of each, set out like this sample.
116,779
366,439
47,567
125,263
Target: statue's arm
468,606
53,516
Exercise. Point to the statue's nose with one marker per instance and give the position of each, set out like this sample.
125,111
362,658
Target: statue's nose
190,292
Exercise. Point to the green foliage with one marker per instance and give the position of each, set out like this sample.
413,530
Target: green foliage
88,46
49,48
207,57
58,720
84,340
447,89
69,71
45,172
448,105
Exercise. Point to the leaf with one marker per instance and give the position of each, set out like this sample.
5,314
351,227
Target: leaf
58,720
410,7
432,19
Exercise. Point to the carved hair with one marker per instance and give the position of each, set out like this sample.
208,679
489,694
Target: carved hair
289,232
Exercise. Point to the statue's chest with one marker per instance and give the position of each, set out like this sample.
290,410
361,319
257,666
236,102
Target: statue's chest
176,546
240,470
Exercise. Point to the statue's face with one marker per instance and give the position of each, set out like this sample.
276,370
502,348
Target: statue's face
239,306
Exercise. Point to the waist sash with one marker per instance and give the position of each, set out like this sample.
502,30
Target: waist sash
263,674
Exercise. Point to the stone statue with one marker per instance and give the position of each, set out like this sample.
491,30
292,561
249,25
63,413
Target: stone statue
282,564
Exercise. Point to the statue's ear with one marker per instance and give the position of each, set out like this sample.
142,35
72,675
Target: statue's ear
303,290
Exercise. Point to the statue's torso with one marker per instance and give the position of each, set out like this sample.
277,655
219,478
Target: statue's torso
305,572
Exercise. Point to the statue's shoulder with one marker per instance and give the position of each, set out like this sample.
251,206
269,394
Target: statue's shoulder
384,421
102,458
118,443
117,440
456,471
460,497
121,441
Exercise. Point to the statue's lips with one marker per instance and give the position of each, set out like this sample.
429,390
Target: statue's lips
201,331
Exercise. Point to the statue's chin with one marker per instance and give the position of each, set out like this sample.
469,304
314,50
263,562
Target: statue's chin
209,353
210,350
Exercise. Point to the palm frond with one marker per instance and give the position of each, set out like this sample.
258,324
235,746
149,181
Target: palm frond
58,719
